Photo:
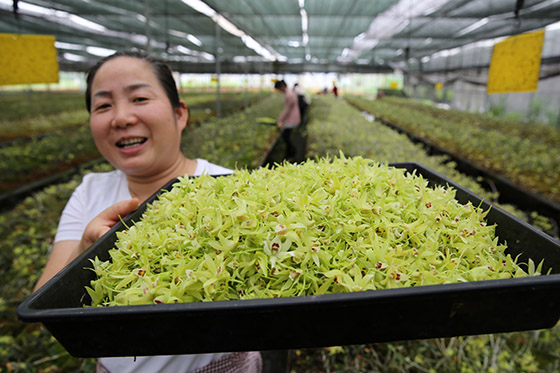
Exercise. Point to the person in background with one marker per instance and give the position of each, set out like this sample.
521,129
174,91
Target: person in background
302,101
136,119
289,118
335,90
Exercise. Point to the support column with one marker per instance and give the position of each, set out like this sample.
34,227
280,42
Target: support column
148,30
218,72
246,100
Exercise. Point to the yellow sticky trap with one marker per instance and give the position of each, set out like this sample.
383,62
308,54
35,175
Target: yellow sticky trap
515,64
394,85
214,79
27,59
439,86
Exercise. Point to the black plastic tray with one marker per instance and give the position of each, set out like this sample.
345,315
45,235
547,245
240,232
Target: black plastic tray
300,322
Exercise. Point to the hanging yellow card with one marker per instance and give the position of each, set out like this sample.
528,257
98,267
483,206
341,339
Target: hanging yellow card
27,59
516,63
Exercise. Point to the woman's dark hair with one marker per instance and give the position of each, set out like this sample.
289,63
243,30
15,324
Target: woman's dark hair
279,84
162,71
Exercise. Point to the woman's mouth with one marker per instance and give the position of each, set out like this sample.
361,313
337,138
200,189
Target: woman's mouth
131,142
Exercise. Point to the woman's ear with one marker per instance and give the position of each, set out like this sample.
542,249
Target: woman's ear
182,112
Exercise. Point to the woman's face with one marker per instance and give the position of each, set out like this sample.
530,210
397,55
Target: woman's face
132,121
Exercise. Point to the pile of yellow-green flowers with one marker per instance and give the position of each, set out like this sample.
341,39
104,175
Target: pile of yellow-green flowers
324,226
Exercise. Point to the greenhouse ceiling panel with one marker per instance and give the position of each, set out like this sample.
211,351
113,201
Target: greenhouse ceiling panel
258,36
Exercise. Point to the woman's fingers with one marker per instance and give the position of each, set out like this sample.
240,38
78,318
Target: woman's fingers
103,222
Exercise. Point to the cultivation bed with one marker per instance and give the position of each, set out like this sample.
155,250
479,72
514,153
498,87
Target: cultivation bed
10,199
509,191
302,322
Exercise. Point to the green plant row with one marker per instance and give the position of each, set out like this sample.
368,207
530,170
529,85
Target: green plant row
27,231
528,163
209,98
47,124
34,160
203,106
336,126
20,105
27,161
237,140
538,132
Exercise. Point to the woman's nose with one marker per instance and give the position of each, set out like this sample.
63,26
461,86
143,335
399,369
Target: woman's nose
123,116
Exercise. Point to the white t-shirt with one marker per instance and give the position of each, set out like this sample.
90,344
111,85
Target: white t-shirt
97,192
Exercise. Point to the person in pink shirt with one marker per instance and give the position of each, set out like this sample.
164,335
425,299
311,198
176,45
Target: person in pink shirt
289,118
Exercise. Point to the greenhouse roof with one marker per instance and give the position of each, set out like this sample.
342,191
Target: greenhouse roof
258,36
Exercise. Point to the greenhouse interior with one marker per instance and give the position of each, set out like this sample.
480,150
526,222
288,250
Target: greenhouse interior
330,185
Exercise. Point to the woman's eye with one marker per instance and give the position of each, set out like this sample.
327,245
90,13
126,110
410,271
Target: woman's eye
102,106
140,99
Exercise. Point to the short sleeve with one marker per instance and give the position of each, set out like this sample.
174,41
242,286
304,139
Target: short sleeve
96,192
71,224
205,167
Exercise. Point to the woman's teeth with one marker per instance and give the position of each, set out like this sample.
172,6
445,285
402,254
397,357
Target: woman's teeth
127,143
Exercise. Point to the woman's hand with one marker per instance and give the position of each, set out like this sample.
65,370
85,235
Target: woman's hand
103,222
64,252
280,124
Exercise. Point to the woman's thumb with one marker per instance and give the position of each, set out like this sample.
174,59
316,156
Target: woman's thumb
103,222
119,210
123,208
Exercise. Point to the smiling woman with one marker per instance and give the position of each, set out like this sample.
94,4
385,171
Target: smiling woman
136,119
136,122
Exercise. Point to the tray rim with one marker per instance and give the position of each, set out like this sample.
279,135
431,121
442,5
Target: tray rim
31,315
